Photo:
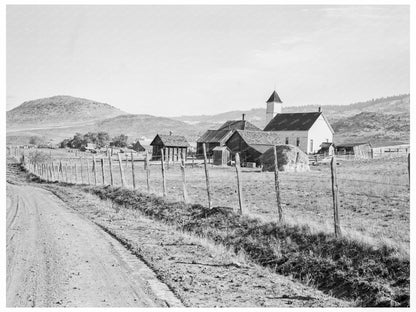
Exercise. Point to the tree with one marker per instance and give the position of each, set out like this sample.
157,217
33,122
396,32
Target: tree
103,139
65,143
77,141
119,141
35,140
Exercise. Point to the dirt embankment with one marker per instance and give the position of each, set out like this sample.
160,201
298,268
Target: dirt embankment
347,269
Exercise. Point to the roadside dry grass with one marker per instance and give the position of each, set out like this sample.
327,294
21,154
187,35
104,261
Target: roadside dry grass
374,195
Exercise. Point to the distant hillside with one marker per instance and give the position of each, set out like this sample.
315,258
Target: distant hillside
389,105
146,125
373,127
376,119
58,111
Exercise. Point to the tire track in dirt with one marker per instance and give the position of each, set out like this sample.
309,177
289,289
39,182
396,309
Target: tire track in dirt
57,258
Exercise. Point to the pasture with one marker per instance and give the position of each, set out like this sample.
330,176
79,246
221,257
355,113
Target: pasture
374,193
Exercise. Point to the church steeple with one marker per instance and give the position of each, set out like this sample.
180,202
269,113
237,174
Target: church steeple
273,99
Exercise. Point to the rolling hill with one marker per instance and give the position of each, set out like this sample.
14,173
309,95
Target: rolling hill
59,111
60,117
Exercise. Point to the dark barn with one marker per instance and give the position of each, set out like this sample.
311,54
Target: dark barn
251,144
172,145
214,138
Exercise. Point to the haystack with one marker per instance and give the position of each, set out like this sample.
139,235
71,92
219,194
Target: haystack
289,158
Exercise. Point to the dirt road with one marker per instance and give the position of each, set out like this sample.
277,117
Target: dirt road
55,257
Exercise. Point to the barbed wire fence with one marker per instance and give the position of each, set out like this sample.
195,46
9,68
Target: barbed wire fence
181,180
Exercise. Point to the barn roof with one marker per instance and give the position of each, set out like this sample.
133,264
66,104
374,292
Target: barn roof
294,121
170,140
274,98
352,144
214,136
238,125
259,137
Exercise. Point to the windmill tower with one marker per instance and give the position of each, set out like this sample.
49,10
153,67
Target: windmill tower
270,111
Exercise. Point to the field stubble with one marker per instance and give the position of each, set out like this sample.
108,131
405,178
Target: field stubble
374,194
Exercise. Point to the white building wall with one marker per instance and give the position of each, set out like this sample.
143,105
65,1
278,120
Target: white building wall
319,132
292,136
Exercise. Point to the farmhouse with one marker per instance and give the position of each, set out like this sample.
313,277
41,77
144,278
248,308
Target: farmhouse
214,138
172,145
307,131
359,150
251,144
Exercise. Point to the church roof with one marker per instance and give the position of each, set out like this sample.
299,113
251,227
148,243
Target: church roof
274,98
294,121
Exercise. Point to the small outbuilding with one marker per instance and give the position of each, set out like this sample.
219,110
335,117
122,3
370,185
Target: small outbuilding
221,156
289,158
327,149
358,150
172,145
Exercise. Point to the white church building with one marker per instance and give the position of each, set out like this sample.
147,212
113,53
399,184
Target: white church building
304,130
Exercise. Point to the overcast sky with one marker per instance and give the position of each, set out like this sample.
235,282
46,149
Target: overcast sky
180,60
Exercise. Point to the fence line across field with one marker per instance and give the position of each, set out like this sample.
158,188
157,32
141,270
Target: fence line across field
69,168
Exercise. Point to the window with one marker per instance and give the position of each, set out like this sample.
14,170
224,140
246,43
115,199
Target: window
311,146
287,140
297,141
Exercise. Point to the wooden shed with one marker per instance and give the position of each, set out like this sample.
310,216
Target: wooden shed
358,150
327,149
252,144
221,156
172,145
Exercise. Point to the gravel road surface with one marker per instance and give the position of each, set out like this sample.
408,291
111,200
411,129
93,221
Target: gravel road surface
55,257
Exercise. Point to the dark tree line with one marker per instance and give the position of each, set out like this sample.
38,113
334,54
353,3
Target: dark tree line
100,139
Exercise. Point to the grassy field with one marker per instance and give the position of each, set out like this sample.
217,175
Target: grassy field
374,194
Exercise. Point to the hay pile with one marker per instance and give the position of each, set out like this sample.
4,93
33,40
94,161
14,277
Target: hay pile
286,158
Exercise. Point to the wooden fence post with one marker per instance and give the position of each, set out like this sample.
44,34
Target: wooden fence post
94,169
88,172
127,160
239,183
335,196
76,171
102,170
111,169
51,173
163,172
123,182
277,185
61,171
207,176
132,171
408,167
147,168
185,193
82,171
66,172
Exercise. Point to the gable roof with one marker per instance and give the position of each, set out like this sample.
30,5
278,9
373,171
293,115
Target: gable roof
238,125
294,121
259,137
274,98
170,140
215,136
